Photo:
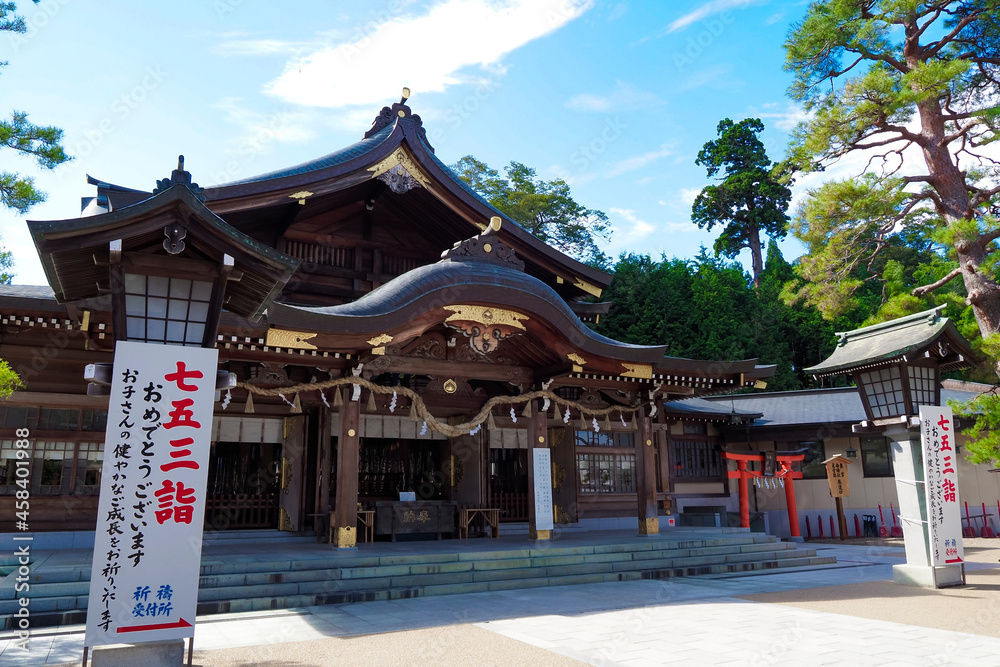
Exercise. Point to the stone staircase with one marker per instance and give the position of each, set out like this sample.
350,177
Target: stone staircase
232,584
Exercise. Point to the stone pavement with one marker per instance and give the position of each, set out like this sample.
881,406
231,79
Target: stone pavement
691,621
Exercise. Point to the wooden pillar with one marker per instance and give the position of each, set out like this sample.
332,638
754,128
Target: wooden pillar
744,494
793,514
345,520
537,438
645,460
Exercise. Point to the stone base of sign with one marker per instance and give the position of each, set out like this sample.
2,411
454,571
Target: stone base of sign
150,654
926,576
649,526
539,534
345,537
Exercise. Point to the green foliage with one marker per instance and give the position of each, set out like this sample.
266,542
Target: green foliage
707,308
6,266
983,445
750,199
854,71
9,380
43,143
544,208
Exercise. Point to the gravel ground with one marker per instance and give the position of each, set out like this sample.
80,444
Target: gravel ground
974,608
450,645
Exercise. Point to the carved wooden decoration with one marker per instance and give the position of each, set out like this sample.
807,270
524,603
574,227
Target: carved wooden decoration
293,340
400,172
485,247
643,371
484,325
380,339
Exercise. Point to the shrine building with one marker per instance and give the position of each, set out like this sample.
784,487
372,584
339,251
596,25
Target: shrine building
387,332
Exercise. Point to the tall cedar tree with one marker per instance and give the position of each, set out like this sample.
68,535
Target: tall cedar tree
884,76
544,208
42,143
749,200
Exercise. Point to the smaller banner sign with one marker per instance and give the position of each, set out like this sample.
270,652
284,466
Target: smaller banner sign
147,550
944,518
541,459
836,475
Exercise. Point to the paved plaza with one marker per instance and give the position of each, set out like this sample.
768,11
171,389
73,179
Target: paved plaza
850,614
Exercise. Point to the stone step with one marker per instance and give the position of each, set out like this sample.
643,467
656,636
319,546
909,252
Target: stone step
263,572
59,593
368,585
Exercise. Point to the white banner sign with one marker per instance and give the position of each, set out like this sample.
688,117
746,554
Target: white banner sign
541,458
147,554
944,519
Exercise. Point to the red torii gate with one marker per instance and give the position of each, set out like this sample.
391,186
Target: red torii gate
785,474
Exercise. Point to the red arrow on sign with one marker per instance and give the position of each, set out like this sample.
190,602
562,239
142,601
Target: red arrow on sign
156,626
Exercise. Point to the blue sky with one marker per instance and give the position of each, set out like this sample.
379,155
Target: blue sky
615,97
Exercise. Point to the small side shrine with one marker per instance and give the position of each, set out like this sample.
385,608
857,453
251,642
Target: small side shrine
773,469
897,367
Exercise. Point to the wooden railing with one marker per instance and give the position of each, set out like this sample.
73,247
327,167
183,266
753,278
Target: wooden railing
394,265
326,255
235,511
512,506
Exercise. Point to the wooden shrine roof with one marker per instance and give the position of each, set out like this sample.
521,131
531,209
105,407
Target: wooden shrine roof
396,132
75,252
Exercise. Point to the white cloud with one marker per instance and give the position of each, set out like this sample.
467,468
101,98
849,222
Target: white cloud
630,232
425,52
622,96
260,47
688,195
709,9
639,161
718,76
260,128
785,120
618,12
627,227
